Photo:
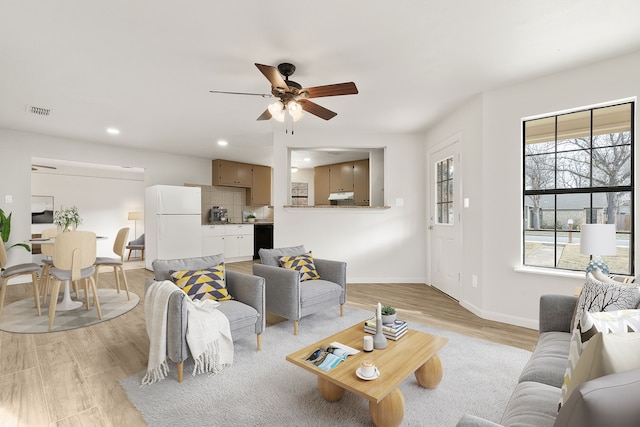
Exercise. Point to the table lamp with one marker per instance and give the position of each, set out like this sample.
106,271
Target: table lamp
597,240
135,216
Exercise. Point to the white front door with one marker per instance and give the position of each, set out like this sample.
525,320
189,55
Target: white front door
444,231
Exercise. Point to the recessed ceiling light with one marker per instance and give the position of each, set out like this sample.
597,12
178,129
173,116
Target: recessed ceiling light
113,131
294,169
307,159
223,143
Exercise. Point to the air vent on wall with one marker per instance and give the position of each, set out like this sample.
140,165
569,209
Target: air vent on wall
38,111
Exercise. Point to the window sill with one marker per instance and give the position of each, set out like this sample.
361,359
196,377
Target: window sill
550,272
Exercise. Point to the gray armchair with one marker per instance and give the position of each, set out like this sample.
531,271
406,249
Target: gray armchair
136,245
245,311
286,296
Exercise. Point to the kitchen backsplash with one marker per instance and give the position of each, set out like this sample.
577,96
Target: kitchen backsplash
232,199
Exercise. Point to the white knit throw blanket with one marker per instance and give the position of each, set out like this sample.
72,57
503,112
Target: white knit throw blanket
208,333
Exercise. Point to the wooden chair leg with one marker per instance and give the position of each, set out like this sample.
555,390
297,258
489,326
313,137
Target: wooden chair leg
36,294
117,277
53,301
129,256
180,371
341,310
295,327
96,302
4,289
124,279
259,337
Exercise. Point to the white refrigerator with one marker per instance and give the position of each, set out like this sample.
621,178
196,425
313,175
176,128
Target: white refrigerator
172,223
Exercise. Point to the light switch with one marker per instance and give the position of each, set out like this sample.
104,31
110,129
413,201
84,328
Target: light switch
8,198
465,202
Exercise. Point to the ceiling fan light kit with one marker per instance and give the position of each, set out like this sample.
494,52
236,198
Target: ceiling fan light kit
293,98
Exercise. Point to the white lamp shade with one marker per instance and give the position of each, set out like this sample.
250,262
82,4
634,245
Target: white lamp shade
598,239
134,216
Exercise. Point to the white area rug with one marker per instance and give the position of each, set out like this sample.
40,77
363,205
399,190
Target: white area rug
22,316
263,389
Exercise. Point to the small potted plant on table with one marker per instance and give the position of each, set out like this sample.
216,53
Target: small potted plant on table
388,314
251,218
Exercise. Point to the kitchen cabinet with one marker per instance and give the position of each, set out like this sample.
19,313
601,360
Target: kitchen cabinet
321,188
238,241
361,182
212,239
231,174
341,177
260,192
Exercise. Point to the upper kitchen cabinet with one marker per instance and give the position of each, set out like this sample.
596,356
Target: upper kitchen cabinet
361,182
232,174
321,185
341,177
260,192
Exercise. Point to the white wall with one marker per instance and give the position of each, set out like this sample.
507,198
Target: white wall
18,148
505,294
379,245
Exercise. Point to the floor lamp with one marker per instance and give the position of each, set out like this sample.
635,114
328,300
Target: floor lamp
598,240
135,216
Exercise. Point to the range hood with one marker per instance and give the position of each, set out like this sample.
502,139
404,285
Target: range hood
347,195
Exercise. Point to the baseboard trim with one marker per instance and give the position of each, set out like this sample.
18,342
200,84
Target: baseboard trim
500,317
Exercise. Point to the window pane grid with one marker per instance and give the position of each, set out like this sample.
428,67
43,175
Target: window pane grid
578,169
444,191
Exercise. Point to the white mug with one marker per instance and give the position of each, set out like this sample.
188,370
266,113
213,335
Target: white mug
368,343
367,368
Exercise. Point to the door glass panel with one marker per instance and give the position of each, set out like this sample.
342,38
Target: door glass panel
444,191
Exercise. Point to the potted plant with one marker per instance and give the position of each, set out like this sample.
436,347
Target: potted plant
251,218
5,230
388,314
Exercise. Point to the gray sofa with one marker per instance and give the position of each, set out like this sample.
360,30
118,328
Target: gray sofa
286,296
611,400
246,311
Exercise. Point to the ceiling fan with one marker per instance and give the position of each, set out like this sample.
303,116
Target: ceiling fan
293,98
35,167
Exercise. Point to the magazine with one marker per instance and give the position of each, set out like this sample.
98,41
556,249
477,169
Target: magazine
327,356
397,326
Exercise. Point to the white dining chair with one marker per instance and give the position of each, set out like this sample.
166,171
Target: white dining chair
74,255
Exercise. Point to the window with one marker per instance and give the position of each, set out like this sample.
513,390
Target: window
444,191
578,169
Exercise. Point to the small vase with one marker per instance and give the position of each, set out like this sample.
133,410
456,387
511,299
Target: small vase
389,318
379,340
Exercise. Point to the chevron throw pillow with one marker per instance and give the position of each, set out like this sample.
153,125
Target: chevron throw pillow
303,264
207,283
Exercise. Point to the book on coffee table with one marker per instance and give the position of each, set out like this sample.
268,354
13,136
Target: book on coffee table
392,331
327,356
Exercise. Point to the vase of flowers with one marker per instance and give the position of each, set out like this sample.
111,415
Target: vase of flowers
67,219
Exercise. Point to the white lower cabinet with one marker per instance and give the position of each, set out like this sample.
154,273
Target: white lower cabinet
238,241
212,239
233,240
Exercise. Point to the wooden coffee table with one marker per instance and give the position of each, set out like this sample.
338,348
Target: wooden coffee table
415,352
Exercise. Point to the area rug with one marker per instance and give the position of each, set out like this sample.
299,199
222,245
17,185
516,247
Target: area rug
263,389
22,316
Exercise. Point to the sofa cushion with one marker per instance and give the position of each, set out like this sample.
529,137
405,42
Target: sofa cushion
318,291
604,401
272,256
303,264
606,354
161,267
240,315
201,284
532,404
549,359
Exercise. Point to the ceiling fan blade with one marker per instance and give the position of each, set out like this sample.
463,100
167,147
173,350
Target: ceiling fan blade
44,166
331,90
274,77
317,110
265,116
264,95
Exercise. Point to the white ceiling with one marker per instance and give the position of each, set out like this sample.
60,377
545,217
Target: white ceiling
146,67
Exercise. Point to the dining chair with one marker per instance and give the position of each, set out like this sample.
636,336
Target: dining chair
47,262
74,255
16,271
116,263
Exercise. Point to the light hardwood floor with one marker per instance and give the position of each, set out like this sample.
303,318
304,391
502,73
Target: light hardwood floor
72,378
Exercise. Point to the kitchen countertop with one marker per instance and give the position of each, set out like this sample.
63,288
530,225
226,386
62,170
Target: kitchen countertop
238,223
335,207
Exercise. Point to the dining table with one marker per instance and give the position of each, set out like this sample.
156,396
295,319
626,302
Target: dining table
67,303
